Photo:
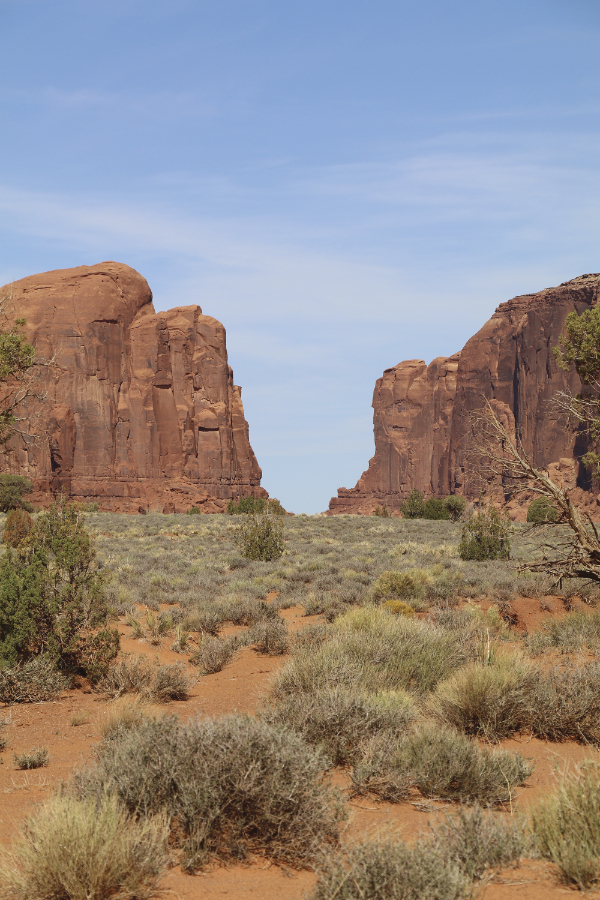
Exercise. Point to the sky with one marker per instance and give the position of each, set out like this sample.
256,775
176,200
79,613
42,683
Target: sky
343,184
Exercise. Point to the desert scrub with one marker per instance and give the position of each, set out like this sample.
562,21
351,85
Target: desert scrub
231,786
139,675
378,650
84,850
17,527
125,713
270,637
542,511
261,537
491,701
406,585
576,632
565,704
485,536
385,868
35,759
32,682
213,654
339,721
445,763
567,826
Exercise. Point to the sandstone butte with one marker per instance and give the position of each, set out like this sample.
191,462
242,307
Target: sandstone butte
140,411
421,413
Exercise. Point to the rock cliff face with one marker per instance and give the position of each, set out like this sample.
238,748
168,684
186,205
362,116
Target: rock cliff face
421,413
141,411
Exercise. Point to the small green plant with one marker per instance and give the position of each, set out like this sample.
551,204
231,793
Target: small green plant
35,759
412,507
435,509
542,511
12,488
260,537
194,511
18,525
485,536
85,850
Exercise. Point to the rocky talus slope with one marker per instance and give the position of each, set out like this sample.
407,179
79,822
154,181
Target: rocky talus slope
140,411
421,413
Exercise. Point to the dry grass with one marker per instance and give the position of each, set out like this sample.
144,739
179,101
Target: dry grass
84,850
125,713
139,675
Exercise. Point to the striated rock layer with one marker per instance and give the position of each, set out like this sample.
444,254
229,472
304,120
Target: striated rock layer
141,411
421,413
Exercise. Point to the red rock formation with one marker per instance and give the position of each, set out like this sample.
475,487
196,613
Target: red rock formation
141,411
421,413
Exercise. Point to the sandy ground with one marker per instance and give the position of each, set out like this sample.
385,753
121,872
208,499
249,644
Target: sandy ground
240,688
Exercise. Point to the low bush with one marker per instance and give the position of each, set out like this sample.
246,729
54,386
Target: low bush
398,608
401,585
12,489
576,632
230,786
270,637
372,772
382,511
567,826
412,507
213,654
368,646
485,536
491,701
91,849
435,509
35,759
139,675
260,537
384,868
565,704
255,506
541,511
248,611
32,682
456,505
339,721
17,527
445,763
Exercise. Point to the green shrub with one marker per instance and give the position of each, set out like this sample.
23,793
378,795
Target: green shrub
139,675
541,511
32,682
456,505
52,596
412,507
12,488
567,826
194,511
401,585
368,646
35,759
398,608
485,536
84,850
339,720
492,701
18,525
260,537
255,506
435,509
446,763
230,786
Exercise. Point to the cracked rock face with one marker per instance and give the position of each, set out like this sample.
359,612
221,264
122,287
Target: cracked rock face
141,412
421,413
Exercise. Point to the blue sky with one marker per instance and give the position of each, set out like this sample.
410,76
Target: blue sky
344,185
